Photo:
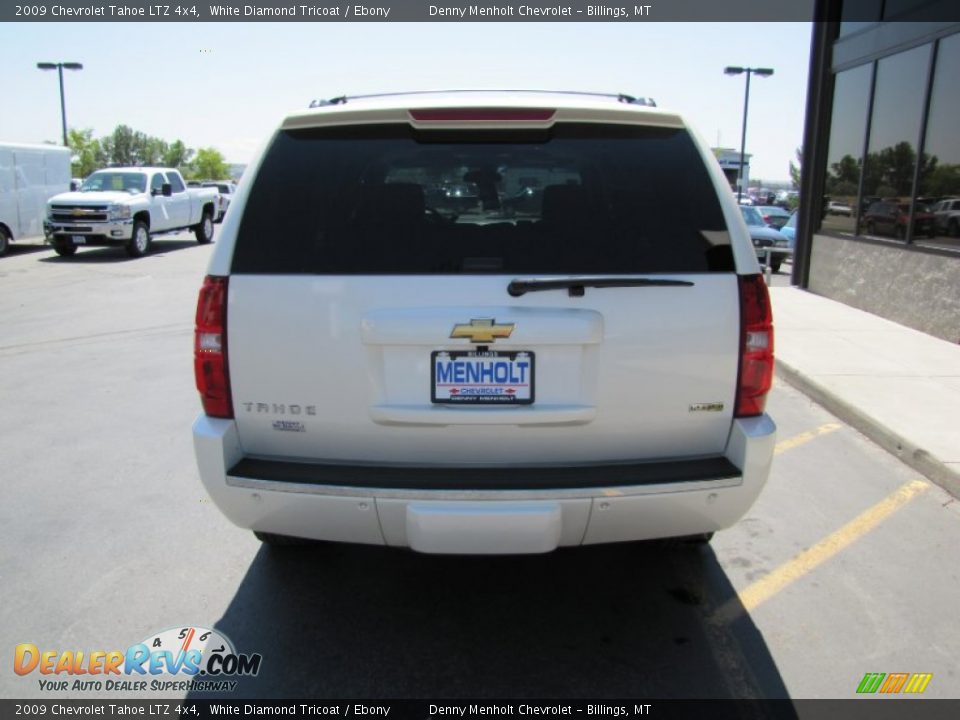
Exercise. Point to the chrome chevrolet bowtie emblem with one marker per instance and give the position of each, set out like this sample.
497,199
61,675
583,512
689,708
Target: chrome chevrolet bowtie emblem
482,330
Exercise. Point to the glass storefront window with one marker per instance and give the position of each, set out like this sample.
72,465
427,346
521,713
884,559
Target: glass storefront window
894,8
940,162
848,125
855,15
891,160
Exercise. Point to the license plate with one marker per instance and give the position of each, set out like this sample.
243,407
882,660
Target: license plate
78,239
487,377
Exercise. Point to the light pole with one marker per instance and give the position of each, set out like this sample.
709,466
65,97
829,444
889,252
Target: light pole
63,106
736,70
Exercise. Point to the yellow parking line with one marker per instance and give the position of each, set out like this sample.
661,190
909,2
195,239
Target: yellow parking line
768,586
806,437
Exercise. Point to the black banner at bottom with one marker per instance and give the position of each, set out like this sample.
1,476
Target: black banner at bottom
873,708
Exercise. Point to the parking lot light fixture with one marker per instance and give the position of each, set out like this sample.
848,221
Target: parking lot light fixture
59,66
737,70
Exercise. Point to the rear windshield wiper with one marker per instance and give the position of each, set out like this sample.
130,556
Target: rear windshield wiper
577,286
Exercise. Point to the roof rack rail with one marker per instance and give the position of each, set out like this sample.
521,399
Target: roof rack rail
620,97
340,100
631,100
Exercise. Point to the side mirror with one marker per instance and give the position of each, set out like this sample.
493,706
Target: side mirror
167,190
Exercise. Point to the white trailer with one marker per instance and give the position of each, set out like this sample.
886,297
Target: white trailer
29,176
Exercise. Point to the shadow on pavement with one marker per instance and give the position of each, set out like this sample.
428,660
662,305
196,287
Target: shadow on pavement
158,248
14,249
614,621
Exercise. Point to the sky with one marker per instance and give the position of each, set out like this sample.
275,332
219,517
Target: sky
228,85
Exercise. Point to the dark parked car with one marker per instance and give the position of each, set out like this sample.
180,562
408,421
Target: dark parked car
892,218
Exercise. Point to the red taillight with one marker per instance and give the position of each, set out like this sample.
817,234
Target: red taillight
766,219
483,114
210,348
756,346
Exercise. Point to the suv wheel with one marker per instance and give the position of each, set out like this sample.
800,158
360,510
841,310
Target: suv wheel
139,243
4,240
953,228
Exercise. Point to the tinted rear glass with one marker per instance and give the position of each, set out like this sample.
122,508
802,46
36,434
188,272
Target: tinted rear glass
393,200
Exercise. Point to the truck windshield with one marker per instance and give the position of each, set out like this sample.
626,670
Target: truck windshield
132,182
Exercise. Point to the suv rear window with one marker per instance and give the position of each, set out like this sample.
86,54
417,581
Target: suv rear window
392,199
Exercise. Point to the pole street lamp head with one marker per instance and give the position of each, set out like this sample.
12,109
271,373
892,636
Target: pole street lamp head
79,66
763,72
733,70
47,66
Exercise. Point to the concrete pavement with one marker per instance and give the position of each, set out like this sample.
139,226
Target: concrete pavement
898,386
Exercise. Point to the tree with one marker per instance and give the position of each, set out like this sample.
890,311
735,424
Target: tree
177,155
150,150
120,146
126,146
795,169
87,153
847,170
942,180
209,165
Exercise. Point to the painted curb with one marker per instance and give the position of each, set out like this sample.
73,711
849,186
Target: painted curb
894,443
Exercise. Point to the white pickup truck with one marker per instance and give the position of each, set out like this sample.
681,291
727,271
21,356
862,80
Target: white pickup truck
127,206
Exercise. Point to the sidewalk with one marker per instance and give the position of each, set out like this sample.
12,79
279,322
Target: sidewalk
898,386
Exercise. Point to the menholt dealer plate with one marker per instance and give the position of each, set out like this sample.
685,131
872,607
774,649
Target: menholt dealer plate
481,377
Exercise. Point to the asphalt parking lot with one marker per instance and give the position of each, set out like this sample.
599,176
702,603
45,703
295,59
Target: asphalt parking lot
846,565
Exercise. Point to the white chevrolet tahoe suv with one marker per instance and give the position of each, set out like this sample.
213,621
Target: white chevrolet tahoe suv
576,351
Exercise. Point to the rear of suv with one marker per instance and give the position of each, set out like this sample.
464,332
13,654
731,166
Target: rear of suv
383,361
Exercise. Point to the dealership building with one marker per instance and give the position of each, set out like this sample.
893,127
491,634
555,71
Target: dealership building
882,154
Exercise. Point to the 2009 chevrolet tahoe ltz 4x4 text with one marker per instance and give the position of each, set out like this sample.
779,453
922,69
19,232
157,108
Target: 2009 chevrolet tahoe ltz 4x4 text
384,360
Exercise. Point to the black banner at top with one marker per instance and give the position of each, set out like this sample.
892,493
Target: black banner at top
189,11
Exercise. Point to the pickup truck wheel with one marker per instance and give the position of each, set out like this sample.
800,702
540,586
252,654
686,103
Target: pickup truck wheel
204,231
4,240
64,248
139,243
775,264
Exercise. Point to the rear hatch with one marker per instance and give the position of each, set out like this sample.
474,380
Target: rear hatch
578,304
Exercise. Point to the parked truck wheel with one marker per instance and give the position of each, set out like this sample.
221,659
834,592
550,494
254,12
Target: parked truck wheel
64,248
4,240
204,231
139,244
775,264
